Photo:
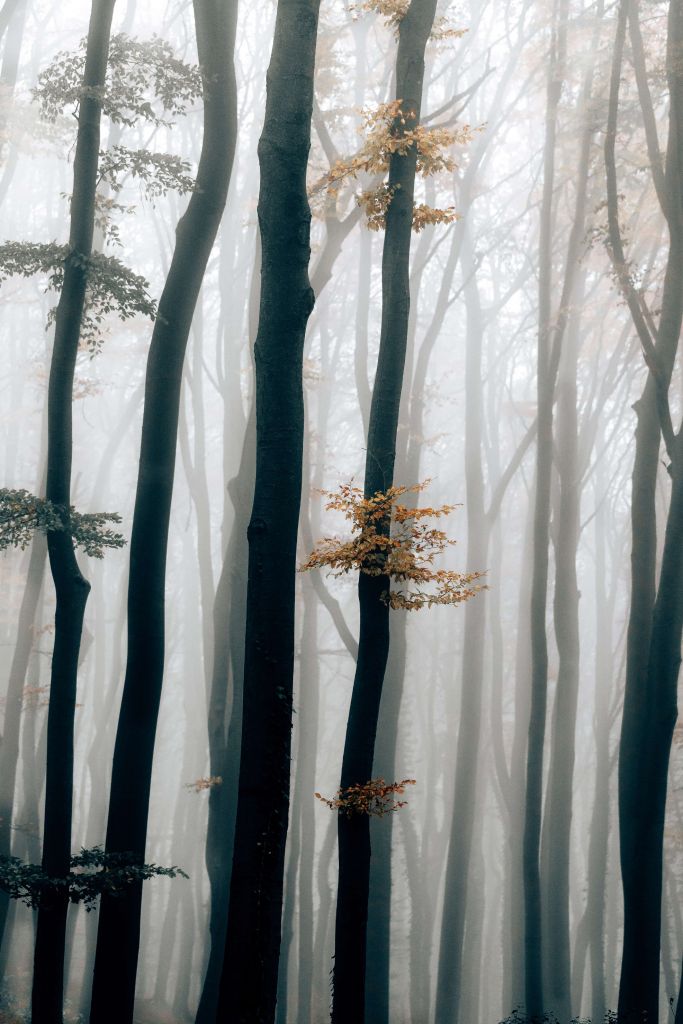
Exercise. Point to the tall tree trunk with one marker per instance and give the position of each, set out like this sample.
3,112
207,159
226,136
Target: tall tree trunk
451,950
248,985
354,831
548,355
70,586
225,696
9,746
654,629
119,923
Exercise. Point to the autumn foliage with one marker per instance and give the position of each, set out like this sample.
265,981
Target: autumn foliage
375,798
387,130
395,540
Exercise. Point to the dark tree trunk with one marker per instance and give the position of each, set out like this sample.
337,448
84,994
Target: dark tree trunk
248,985
119,924
654,629
225,696
373,645
70,586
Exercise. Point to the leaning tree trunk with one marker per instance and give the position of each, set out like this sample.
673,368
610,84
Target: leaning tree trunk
71,588
654,629
119,924
248,985
373,646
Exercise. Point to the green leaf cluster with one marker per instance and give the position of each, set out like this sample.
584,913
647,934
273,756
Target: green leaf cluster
93,873
111,286
158,173
22,513
145,81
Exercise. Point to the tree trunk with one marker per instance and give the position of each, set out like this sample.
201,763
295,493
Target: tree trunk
119,923
248,985
70,586
546,373
354,831
654,629
9,746
451,947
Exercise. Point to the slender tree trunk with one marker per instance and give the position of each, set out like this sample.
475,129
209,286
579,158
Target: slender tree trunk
548,355
225,697
9,747
451,947
119,924
248,985
70,586
373,646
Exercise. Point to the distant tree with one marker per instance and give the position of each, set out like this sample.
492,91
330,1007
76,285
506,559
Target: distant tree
548,357
119,924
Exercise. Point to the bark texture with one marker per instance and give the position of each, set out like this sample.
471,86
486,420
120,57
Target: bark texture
248,985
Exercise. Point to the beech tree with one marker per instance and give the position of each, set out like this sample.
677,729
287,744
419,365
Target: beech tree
71,586
119,923
656,612
248,984
395,206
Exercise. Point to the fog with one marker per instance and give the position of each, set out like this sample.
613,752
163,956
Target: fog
524,842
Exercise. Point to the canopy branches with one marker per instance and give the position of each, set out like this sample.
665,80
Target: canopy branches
405,551
145,81
112,287
93,872
22,513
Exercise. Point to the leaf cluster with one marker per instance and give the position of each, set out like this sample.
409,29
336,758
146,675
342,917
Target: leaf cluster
393,11
393,540
374,798
111,286
22,513
93,873
388,130
158,173
200,785
145,81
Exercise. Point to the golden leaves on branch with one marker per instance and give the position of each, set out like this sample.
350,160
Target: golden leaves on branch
199,785
375,798
389,130
394,540
393,11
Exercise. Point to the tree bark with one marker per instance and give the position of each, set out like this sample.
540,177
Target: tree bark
71,588
248,985
348,1005
119,923
656,615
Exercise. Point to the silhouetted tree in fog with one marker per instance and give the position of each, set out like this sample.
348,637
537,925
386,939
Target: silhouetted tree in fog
119,923
248,983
